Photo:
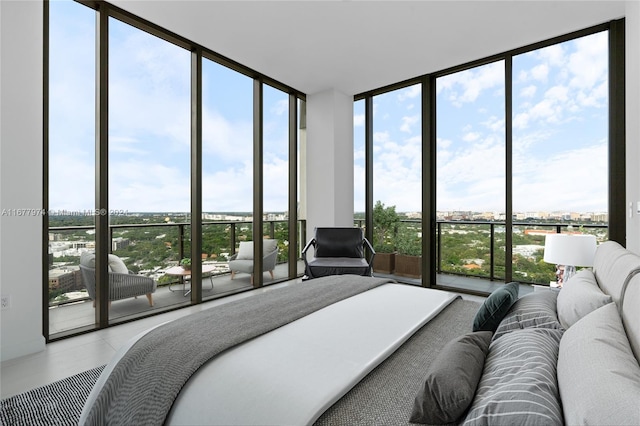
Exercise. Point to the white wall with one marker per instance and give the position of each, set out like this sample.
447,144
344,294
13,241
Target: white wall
329,160
21,48
632,40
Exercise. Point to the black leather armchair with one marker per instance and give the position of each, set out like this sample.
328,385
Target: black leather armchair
338,251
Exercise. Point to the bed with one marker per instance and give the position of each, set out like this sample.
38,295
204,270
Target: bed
361,350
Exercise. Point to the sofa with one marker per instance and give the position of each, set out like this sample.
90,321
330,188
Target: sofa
547,358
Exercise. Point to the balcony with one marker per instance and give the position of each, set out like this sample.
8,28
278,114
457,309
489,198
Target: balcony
149,249
458,243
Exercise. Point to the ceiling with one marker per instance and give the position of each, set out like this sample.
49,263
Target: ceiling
356,46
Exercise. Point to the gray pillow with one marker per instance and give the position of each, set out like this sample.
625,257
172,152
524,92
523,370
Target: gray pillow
534,310
518,384
598,376
580,296
495,307
451,380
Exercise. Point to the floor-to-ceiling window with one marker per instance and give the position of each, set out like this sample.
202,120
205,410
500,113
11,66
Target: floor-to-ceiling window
227,168
560,148
522,146
149,157
179,120
397,180
470,174
71,157
275,164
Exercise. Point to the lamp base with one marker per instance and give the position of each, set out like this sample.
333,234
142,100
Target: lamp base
569,271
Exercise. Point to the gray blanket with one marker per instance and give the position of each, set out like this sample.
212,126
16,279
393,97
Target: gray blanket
145,382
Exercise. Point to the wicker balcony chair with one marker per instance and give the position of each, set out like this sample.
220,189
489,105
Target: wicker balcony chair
242,261
123,284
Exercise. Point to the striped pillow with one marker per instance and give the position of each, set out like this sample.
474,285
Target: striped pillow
534,310
518,384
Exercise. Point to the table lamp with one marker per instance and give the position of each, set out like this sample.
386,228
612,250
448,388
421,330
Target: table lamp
570,251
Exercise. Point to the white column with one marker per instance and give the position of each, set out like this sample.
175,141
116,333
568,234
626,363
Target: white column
632,99
21,176
328,163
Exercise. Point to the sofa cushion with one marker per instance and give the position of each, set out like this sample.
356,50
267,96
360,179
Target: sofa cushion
451,380
534,310
518,384
598,376
245,251
117,265
495,307
579,296
88,259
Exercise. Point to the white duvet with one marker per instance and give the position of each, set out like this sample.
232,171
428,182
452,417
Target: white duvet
291,375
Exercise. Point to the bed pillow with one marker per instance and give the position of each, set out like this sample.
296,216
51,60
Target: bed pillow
598,376
579,296
534,310
451,380
518,384
495,307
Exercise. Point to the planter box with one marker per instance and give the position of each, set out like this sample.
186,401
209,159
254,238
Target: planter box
408,266
384,263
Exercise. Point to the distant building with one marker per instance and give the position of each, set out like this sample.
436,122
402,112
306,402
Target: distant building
67,279
119,243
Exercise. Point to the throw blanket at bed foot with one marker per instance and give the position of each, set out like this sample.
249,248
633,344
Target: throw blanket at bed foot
141,387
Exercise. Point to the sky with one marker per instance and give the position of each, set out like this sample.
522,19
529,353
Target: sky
560,129
560,136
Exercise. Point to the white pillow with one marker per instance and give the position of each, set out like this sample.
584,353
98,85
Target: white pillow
245,251
579,296
117,265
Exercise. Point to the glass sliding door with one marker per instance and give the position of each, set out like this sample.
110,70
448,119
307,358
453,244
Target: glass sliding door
71,160
275,166
470,174
227,174
397,182
560,148
149,165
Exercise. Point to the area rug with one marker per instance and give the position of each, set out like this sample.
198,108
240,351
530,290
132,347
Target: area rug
59,403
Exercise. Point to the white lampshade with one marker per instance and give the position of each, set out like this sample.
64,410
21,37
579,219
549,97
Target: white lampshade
565,249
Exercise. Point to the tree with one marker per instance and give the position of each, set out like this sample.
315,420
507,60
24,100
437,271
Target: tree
385,223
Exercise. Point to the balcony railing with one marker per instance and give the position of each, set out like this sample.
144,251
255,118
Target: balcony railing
477,248
150,248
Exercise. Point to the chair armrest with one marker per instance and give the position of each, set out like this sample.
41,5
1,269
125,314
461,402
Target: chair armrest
233,257
371,250
312,242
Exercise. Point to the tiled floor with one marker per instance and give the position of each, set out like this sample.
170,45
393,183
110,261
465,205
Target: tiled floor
70,356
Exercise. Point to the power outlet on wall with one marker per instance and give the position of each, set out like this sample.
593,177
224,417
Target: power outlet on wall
5,302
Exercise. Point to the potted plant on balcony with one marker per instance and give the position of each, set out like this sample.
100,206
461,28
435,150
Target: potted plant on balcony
385,223
409,256
186,263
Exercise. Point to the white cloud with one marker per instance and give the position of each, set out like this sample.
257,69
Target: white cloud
358,120
540,72
528,91
408,123
471,137
410,92
465,86
280,107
